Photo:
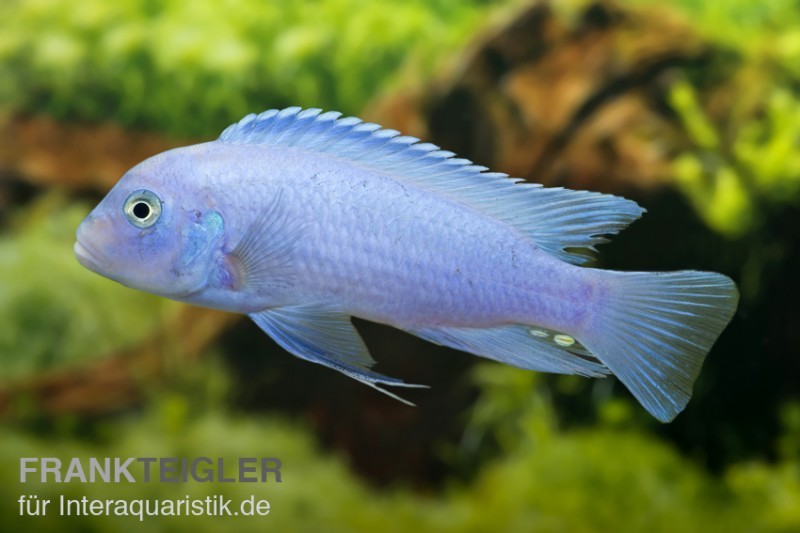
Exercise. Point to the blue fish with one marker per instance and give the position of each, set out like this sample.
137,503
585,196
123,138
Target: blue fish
303,219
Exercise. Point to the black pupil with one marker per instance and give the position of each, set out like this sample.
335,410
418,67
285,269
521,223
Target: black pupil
141,210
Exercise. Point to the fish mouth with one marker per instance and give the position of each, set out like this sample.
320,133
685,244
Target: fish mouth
89,258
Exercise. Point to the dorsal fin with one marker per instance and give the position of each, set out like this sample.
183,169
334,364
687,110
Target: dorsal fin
558,220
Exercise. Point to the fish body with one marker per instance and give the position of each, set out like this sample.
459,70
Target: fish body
365,247
302,220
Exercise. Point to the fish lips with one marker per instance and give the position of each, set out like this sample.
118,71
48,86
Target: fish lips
91,259
85,252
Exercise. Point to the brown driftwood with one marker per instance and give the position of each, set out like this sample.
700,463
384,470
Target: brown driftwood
578,102
48,153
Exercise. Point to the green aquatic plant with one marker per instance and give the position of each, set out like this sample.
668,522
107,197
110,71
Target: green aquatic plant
741,113
608,478
189,68
731,183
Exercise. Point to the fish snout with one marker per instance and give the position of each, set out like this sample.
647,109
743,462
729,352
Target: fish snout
85,250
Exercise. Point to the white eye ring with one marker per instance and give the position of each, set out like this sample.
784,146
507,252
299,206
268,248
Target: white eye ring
142,208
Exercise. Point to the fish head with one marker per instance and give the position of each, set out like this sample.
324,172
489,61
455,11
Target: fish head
155,230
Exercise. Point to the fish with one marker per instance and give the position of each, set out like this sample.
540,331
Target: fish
302,219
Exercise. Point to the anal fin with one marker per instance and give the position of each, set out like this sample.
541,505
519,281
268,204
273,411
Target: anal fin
528,347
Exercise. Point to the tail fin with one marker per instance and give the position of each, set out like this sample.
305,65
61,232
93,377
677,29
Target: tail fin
656,328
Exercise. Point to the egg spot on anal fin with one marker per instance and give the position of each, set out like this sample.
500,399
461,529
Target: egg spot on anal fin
558,339
563,340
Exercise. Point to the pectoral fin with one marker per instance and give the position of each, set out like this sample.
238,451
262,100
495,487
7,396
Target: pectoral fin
325,336
262,258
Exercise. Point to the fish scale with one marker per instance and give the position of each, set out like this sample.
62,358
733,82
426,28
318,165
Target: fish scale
303,219
335,259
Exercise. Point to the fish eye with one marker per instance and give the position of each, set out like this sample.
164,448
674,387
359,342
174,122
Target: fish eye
142,208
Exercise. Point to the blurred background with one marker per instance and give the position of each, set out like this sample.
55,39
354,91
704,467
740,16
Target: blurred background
690,108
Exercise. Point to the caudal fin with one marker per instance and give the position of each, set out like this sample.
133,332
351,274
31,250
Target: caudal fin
655,329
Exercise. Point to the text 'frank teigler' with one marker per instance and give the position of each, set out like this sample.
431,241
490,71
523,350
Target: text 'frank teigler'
150,470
